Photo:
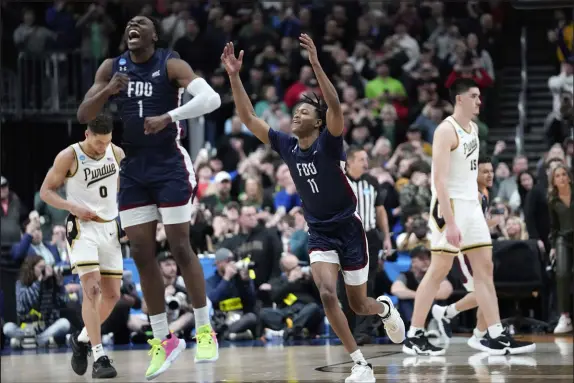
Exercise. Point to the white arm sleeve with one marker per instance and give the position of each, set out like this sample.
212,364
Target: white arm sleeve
205,100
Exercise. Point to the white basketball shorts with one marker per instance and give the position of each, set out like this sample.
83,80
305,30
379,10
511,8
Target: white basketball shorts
470,220
94,246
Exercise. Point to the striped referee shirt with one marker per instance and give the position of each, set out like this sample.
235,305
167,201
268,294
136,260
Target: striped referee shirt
369,196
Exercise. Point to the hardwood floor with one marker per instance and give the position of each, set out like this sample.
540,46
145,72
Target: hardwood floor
325,361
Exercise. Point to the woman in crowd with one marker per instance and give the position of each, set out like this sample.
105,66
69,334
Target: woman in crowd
560,195
40,295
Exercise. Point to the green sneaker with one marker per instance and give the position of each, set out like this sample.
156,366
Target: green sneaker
207,349
163,354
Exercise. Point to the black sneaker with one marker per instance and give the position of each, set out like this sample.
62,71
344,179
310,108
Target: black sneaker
505,344
420,345
443,322
80,353
103,369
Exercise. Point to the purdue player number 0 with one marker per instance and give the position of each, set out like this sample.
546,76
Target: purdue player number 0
103,191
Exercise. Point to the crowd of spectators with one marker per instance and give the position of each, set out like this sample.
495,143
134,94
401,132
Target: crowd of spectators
391,63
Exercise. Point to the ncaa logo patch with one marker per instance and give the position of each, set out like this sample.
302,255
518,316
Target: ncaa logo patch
122,61
82,157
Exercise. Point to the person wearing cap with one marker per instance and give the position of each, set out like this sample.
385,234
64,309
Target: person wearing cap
406,284
12,215
216,202
232,293
260,244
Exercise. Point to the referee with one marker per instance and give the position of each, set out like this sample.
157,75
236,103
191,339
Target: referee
370,208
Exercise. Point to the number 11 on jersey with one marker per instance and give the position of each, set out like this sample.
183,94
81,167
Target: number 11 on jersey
313,184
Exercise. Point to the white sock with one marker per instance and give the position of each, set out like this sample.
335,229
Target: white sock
413,330
385,311
358,357
201,316
495,330
159,325
98,351
451,311
440,309
83,336
479,334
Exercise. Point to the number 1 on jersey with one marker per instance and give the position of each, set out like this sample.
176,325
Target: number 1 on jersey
140,103
313,184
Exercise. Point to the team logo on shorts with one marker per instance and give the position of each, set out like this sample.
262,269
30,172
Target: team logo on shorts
70,226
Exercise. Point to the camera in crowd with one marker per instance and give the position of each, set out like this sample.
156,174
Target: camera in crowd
420,227
174,302
244,264
64,270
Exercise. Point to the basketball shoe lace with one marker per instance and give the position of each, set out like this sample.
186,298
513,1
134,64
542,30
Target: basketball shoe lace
156,346
203,337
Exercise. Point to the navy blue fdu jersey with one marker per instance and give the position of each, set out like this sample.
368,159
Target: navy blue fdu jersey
319,175
149,93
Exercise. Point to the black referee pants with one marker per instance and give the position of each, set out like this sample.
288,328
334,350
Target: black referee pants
363,325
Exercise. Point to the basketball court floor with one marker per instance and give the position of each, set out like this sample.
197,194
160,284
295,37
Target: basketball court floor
319,361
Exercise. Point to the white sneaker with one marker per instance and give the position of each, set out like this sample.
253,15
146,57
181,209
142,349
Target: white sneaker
394,325
474,342
361,373
439,314
564,325
15,344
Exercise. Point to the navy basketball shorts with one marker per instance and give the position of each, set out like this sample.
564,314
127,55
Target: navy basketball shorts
345,245
156,185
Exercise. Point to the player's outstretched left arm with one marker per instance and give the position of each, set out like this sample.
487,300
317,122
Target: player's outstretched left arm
205,100
335,121
64,163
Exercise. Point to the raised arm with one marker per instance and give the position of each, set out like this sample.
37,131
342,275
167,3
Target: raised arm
242,102
444,141
335,121
103,88
205,100
65,164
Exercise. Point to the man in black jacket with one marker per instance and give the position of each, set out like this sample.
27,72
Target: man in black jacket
261,245
297,301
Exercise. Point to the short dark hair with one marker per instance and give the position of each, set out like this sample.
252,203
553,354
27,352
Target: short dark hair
460,86
484,160
319,105
103,124
160,43
354,150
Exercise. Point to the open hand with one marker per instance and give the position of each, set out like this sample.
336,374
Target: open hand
309,45
231,63
152,125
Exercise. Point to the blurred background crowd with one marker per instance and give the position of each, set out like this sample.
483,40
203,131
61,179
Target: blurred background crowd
392,62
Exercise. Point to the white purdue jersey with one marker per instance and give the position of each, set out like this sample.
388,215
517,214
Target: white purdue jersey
94,184
461,180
